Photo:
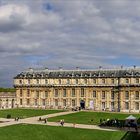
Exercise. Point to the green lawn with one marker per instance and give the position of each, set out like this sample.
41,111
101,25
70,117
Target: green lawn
41,132
25,113
90,117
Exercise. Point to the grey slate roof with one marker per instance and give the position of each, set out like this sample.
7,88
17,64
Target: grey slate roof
32,73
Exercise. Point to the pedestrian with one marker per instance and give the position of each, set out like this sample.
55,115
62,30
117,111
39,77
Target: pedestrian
45,120
61,122
74,124
39,118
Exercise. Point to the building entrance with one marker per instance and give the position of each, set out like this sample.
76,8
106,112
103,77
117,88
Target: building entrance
82,104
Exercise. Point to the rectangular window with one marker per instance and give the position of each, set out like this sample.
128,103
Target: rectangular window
20,92
112,106
94,81
137,80
76,81
20,81
46,81
43,102
137,95
73,92
28,93
28,101
126,105
103,81
85,81
73,103
112,81
82,92
103,94
103,105
56,93
94,94
37,94
29,81
127,95
59,81
64,102
37,81
112,95
68,81
64,93
20,101
137,106
35,101
127,81
56,102
46,94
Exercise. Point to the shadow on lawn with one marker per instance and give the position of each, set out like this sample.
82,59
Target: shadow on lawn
131,136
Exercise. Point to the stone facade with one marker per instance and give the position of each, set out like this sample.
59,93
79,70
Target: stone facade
7,100
101,90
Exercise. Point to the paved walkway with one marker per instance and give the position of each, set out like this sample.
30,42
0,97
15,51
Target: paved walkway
34,120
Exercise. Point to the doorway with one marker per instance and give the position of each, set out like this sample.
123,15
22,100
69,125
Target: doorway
82,104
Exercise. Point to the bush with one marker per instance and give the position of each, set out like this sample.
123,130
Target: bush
8,116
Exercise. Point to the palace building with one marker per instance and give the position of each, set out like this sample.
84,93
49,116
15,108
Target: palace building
99,90
7,100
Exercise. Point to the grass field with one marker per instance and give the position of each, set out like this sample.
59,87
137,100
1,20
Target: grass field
25,113
41,132
90,117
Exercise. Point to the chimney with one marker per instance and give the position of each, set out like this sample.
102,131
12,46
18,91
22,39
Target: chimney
100,67
31,69
134,66
121,66
77,68
60,68
46,68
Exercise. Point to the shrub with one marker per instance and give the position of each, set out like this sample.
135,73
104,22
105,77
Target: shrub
8,116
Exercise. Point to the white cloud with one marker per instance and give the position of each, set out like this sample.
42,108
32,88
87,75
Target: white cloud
69,33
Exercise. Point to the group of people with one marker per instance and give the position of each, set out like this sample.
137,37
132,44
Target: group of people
16,118
111,122
119,123
45,120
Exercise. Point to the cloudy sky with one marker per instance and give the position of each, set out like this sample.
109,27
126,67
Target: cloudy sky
67,33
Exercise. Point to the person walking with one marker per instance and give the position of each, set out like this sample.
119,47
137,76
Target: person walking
74,125
45,120
61,122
